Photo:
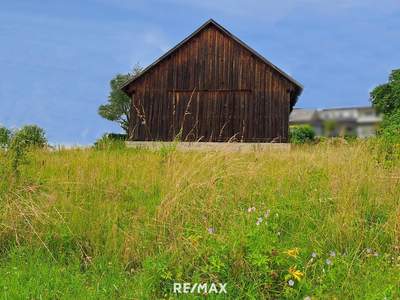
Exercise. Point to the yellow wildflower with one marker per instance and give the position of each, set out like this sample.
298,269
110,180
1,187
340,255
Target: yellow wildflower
293,252
296,273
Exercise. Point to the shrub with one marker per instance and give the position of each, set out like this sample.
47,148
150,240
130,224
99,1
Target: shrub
390,127
4,136
351,138
16,155
117,136
388,141
329,127
300,134
110,141
30,136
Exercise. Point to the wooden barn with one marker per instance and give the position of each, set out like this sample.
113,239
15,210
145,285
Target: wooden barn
211,87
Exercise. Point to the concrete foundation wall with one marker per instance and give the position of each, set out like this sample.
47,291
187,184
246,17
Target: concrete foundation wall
198,146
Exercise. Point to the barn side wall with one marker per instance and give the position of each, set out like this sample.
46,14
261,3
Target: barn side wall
211,89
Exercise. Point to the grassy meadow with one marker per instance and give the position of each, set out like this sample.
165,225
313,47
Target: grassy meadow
316,222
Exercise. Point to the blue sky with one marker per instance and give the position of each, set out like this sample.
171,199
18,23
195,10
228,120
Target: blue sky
57,57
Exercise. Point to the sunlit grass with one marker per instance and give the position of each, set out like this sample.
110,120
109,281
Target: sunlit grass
127,223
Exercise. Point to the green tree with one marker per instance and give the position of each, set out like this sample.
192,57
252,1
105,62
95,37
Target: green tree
29,136
4,136
119,104
386,97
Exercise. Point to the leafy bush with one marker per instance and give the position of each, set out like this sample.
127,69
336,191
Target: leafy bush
29,136
110,141
17,155
388,141
21,140
4,136
390,127
117,136
300,134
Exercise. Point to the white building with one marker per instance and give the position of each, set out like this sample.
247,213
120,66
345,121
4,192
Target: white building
350,121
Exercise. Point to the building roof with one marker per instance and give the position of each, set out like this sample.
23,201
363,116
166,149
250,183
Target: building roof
358,108
212,22
302,115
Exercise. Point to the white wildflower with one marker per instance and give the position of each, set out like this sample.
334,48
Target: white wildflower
251,209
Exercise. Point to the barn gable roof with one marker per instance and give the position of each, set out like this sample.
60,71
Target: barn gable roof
225,31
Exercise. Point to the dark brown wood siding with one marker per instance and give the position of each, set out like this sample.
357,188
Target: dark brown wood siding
211,89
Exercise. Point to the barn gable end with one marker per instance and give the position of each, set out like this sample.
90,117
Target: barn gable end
211,87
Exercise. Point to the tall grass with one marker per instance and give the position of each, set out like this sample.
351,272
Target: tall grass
125,223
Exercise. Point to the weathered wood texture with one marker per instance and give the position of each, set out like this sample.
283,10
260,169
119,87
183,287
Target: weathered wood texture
211,89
